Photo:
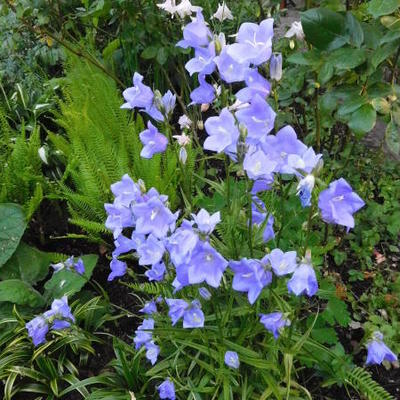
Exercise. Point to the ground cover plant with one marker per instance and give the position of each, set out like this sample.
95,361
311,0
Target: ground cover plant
227,231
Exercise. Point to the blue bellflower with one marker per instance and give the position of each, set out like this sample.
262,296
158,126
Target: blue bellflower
258,118
126,191
250,276
274,322
153,141
151,251
254,43
167,390
230,70
378,351
37,329
203,94
338,203
282,263
256,84
303,281
149,308
139,96
231,359
118,269
259,166
206,222
206,265
157,272
222,132
152,352
143,333
196,34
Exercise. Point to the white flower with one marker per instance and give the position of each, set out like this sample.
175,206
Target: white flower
42,154
182,140
223,12
295,30
184,121
182,155
168,6
238,105
185,8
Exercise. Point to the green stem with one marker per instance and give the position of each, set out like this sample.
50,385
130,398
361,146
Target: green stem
317,122
250,223
309,226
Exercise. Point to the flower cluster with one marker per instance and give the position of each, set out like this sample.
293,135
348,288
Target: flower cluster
70,265
58,317
184,252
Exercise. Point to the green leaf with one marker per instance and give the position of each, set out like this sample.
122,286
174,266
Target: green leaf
384,52
307,58
392,23
337,309
19,292
392,137
162,56
324,335
354,30
378,8
12,227
363,120
325,73
351,104
149,52
28,264
324,29
347,58
390,36
67,282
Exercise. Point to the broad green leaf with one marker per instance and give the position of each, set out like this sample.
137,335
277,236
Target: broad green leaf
363,120
392,23
378,8
351,104
354,30
381,105
19,292
162,56
111,48
149,52
392,137
67,282
307,58
379,89
12,227
325,73
28,264
347,58
384,52
324,29
390,37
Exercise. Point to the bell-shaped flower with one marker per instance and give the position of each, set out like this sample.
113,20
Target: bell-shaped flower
338,203
231,359
149,308
250,276
196,33
156,273
274,322
203,62
258,118
126,191
167,390
203,94
258,166
256,84
143,333
118,269
37,329
152,352
282,263
153,141
177,308
153,217
223,133
304,190
229,68
181,244
296,29
378,351
223,12
303,280
169,6
206,222
118,218
275,66
254,42
185,8
151,251
206,265
193,317
139,96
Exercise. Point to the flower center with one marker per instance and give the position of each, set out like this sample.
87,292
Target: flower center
338,198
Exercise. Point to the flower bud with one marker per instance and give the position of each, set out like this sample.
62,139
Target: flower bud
204,107
182,155
275,66
200,125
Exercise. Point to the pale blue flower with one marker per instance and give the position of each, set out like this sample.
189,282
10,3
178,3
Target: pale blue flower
274,322
232,359
153,141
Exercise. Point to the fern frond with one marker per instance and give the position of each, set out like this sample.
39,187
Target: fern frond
362,382
149,288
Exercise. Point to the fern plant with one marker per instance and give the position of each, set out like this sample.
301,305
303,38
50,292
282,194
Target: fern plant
101,144
21,178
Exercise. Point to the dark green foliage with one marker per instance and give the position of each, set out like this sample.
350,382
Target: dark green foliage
101,144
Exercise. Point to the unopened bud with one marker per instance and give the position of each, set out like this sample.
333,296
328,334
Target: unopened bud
204,107
275,66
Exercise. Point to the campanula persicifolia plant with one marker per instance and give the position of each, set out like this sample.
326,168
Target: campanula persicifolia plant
229,317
